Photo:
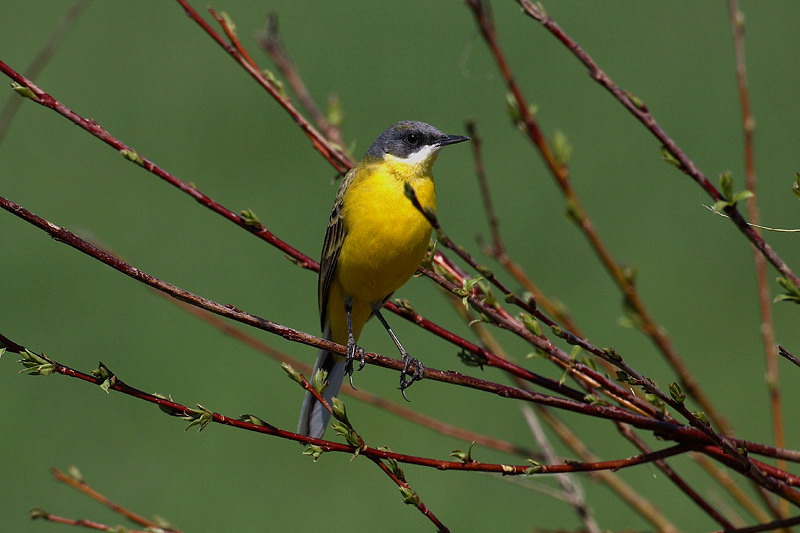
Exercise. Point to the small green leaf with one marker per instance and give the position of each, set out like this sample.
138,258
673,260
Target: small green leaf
719,205
405,305
667,156
636,101
531,324
131,155
314,451
726,184
513,109
676,392
392,464
108,377
38,512
75,474
464,456
741,195
256,421
292,373
200,417
702,416
792,293
23,91
472,359
35,365
564,375
339,411
535,467
250,218
335,112
409,496
561,147
576,350
275,82
796,185
320,380
624,377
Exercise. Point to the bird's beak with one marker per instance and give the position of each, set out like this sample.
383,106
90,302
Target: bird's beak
451,139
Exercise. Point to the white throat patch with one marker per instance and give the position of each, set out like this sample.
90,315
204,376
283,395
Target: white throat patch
420,156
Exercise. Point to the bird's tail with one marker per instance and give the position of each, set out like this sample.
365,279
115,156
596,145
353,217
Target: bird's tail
313,416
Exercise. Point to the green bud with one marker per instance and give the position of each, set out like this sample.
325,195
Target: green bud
292,373
531,324
409,496
132,156
561,147
320,380
335,113
314,451
250,218
676,392
23,91
464,456
339,411
669,158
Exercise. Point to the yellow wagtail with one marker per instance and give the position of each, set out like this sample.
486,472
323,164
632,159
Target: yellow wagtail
376,239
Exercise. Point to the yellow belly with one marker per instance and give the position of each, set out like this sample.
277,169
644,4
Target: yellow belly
386,240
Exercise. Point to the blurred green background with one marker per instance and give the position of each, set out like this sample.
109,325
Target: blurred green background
156,81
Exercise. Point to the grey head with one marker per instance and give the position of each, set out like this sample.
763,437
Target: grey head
411,140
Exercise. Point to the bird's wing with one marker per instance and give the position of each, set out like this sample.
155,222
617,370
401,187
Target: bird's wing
334,238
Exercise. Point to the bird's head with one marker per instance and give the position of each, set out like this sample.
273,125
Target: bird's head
413,143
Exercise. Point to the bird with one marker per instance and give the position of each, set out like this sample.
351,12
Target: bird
375,240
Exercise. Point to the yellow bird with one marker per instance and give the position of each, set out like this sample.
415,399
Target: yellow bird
374,243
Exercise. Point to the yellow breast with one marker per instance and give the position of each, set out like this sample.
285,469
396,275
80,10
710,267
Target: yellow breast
387,237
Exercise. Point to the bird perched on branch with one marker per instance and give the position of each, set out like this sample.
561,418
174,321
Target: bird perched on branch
376,239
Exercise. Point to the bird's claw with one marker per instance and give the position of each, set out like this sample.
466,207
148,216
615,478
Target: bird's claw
354,351
408,378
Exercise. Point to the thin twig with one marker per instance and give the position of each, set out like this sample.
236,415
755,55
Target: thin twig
109,382
333,154
788,355
360,394
83,487
641,113
272,43
764,301
679,481
573,492
41,60
769,526
41,514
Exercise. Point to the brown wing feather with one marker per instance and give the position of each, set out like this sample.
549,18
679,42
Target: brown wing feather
334,238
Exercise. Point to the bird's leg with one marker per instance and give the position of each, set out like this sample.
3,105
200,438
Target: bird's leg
354,351
406,378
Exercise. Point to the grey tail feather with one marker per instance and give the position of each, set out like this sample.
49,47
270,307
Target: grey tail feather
313,416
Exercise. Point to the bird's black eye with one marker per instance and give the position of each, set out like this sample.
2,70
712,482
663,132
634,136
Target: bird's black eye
412,138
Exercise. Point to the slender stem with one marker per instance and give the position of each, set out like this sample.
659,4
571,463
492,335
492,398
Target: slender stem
679,481
333,154
560,173
39,514
272,43
367,397
42,59
573,493
764,301
640,112
81,486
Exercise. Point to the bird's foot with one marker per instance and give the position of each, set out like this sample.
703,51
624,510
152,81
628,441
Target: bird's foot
407,378
354,351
